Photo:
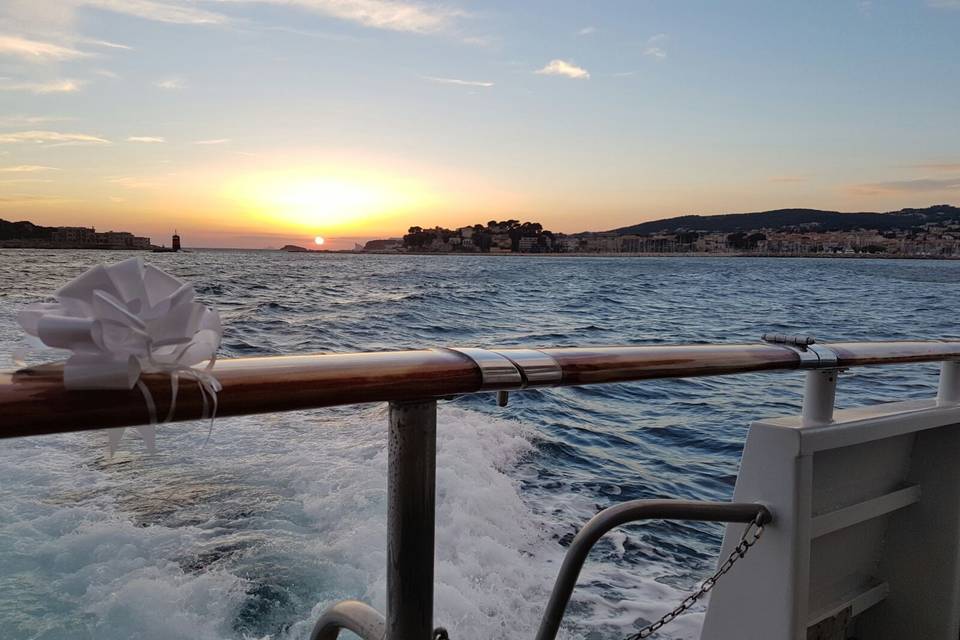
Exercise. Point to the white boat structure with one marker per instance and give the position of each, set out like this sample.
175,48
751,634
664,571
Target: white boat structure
844,524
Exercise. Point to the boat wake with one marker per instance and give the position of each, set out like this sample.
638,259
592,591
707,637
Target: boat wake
277,517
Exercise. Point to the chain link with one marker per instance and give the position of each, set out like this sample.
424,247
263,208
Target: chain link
749,538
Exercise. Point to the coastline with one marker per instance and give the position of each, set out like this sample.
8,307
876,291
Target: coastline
832,256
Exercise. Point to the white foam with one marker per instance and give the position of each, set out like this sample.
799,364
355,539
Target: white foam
71,530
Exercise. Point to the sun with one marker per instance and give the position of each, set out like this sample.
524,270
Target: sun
318,240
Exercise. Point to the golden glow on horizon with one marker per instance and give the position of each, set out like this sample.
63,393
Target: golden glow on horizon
301,200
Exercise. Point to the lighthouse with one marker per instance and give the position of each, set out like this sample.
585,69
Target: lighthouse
176,241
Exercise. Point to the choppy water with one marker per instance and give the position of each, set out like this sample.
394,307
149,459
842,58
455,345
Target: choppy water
278,516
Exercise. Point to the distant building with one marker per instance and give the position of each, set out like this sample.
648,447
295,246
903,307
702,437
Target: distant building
87,237
528,244
74,235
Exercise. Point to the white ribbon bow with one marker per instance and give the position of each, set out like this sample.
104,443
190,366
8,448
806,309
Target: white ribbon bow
124,319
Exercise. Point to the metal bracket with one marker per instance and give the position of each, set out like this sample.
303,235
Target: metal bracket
536,367
512,368
496,371
812,355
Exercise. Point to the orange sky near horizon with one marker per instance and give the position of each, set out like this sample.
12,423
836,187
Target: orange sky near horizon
268,122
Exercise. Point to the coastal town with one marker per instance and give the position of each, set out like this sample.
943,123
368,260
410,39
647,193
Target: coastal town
933,233
26,235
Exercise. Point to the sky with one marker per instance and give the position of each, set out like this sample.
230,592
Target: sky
255,123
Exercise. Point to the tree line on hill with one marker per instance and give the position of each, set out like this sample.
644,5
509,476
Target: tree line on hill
799,219
481,237
24,230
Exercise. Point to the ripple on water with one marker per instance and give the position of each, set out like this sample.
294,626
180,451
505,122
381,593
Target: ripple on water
253,534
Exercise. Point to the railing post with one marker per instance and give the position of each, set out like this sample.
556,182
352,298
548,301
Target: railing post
819,394
949,390
411,497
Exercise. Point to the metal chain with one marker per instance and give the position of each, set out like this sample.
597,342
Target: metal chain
749,538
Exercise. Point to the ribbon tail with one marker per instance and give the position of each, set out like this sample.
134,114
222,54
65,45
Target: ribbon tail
147,432
213,415
174,388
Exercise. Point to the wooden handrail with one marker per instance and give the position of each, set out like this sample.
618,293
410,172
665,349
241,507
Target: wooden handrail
34,402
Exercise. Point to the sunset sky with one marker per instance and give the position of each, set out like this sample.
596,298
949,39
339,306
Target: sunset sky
261,122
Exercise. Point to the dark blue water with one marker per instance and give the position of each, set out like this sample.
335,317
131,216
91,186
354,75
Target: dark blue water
253,534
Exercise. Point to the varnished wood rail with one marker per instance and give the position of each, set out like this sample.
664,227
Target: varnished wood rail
34,402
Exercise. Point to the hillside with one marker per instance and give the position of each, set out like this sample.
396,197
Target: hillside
24,230
799,218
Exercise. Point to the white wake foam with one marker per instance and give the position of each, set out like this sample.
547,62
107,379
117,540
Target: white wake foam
185,544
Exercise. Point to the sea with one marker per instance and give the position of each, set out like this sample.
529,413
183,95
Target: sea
251,533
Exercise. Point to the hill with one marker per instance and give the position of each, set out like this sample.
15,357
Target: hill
24,230
811,219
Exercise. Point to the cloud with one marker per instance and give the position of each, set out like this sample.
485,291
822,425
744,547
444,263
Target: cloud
53,86
26,181
393,15
26,168
146,139
109,45
587,31
921,185
623,74
158,11
19,121
50,138
946,166
36,51
653,46
465,83
564,68
213,141
171,83
134,182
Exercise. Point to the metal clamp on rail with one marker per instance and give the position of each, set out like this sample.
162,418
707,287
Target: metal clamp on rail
511,369
812,355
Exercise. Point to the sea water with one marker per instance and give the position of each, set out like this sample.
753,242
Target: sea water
254,533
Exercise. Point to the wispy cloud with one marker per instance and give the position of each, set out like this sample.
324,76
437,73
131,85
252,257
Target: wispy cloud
26,168
213,141
393,15
159,11
587,31
464,83
942,166
36,51
146,139
564,68
50,138
922,185
623,74
25,180
136,182
654,46
19,121
171,83
53,86
108,44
